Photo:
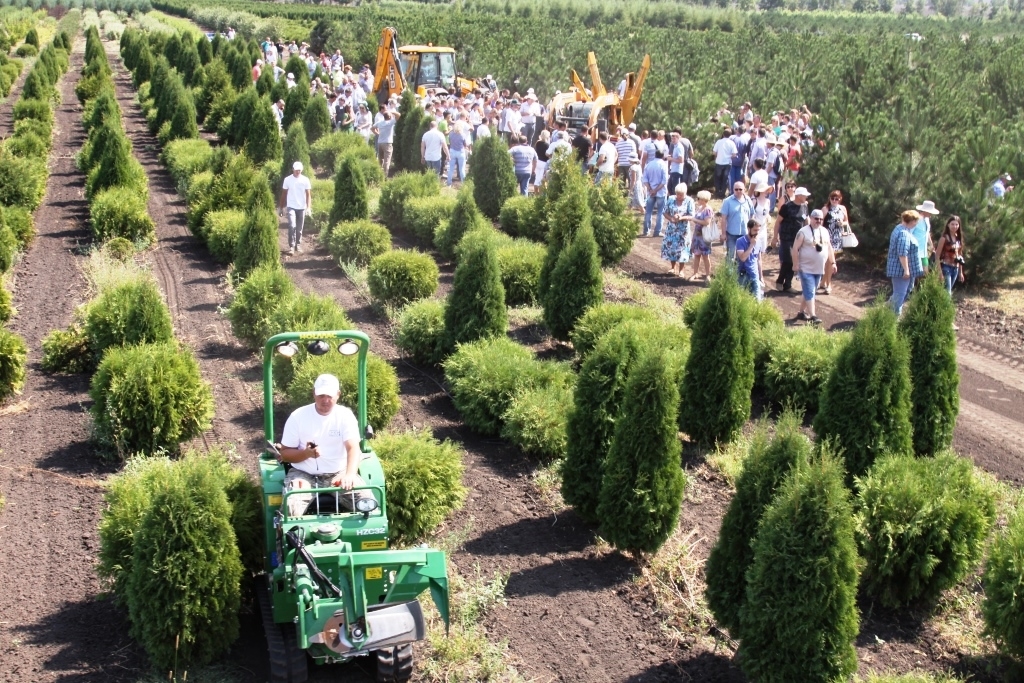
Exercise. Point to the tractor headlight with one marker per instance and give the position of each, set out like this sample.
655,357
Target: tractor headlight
349,347
366,505
287,349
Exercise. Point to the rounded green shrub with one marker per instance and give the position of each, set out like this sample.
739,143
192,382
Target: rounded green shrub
424,482
263,140
32,38
798,365
119,249
328,151
8,248
520,262
420,331
615,226
800,617
401,276
476,304
536,419
116,167
7,310
186,613
423,215
254,304
593,324
720,369
316,119
765,468
222,229
643,482
396,191
257,240
1003,607
576,284
350,202
927,325
485,375
865,404
41,129
358,242
28,145
465,218
186,157
494,179
130,313
382,402
517,218
149,398
13,354
67,351
22,180
922,525
26,50
121,212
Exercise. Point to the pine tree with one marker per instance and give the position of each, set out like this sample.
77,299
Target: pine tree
566,214
576,284
257,243
476,304
865,404
263,143
143,67
466,218
316,119
493,176
172,49
350,203
407,147
189,64
765,468
295,105
241,117
204,49
720,368
296,148
643,480
405,107
927,325
800,617
265,83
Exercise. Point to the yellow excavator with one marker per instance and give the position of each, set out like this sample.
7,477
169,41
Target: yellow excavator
582,108
420,67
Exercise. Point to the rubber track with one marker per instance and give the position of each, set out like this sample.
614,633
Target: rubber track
394,664
280,671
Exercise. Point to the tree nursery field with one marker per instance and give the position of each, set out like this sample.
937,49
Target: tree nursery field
621,474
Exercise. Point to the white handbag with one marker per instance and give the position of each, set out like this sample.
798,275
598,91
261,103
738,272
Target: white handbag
849,240
711,231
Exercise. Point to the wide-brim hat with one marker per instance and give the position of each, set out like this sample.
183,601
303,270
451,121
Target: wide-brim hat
761,187
928,206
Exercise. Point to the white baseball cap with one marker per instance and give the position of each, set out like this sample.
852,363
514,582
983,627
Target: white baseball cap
802,192
326,385
297,166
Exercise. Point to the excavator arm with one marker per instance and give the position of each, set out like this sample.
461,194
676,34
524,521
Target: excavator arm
388,80
634,88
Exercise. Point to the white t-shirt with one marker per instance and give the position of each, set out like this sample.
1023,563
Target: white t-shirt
386,132
724,149
296,188
757,178
610,156
433,141
761,215
812,261
328,432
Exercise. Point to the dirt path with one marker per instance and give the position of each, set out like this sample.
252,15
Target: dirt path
53,626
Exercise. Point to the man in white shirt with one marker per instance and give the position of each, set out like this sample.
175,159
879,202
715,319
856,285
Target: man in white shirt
724,150
385,130
680,149
321,442
513,123
433,148
529,116
297,199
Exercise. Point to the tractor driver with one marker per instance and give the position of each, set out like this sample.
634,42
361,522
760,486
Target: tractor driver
321,441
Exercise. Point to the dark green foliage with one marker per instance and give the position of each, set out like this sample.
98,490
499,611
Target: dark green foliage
927,325
407,109
720,370
576,284
476,304
420,331
148,399
38,110
922,525
316,119
303,312
865,405
181,112
643,480
257,243
766,467
358,242
593,325
28,145
67,351
295,106
382,403
536,419
799,363
407,146
144,68
465,218
215,94
13,354
172,49
520,262
100,110
226,186
222,229
7,309
186,157
401,276
36,87
116,167
615,226
22,180
32,38
184,586
800,616
517,218
263,140
242,113
130,313
350,202
8,248
296,148
204,49
493,177
1004,587
423,215
121,212
565,213
396,191
189,65
99,139
424,478
265,83
255,302
487,374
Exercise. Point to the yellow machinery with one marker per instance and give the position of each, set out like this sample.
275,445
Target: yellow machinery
420,67
582,109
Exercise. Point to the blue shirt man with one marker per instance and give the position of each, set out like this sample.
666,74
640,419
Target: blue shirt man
655,180
748,261
736,212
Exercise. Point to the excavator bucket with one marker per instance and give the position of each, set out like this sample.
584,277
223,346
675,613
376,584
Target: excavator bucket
634,87
388,78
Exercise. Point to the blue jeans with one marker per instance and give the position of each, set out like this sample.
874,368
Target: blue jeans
730,246
601,175
774,196
950,274
735,175
654,205
752,285
809,285
900,290
524,182
434,166
296,219
456,160
722,179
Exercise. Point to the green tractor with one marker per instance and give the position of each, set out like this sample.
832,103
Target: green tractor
332,589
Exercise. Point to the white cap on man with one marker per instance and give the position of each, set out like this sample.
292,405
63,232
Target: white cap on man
297,166
326,385
802,192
